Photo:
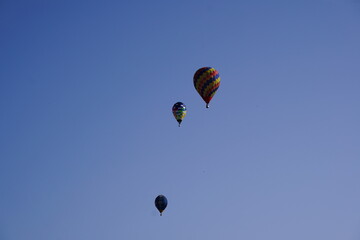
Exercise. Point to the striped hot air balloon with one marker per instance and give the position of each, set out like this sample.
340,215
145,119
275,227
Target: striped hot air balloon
179,111
207,82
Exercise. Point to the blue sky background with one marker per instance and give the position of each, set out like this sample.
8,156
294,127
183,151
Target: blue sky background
88,140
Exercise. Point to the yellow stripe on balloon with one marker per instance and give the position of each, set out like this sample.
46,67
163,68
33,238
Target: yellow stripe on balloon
203,78
209,88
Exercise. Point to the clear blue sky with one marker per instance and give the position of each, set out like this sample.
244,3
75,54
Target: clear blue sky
88,140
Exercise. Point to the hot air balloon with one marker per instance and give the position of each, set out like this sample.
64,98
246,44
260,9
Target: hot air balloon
161,203
179,111
207,82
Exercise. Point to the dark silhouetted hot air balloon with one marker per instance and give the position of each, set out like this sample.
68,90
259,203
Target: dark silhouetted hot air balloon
161,203
179,111
207,82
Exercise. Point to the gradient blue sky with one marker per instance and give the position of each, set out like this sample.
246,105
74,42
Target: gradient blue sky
88,140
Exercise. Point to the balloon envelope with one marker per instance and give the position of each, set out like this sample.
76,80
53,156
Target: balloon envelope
207,82
179,111
161,203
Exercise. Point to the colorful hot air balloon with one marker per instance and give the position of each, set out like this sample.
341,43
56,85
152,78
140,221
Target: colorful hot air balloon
161,203
179,111
206,82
